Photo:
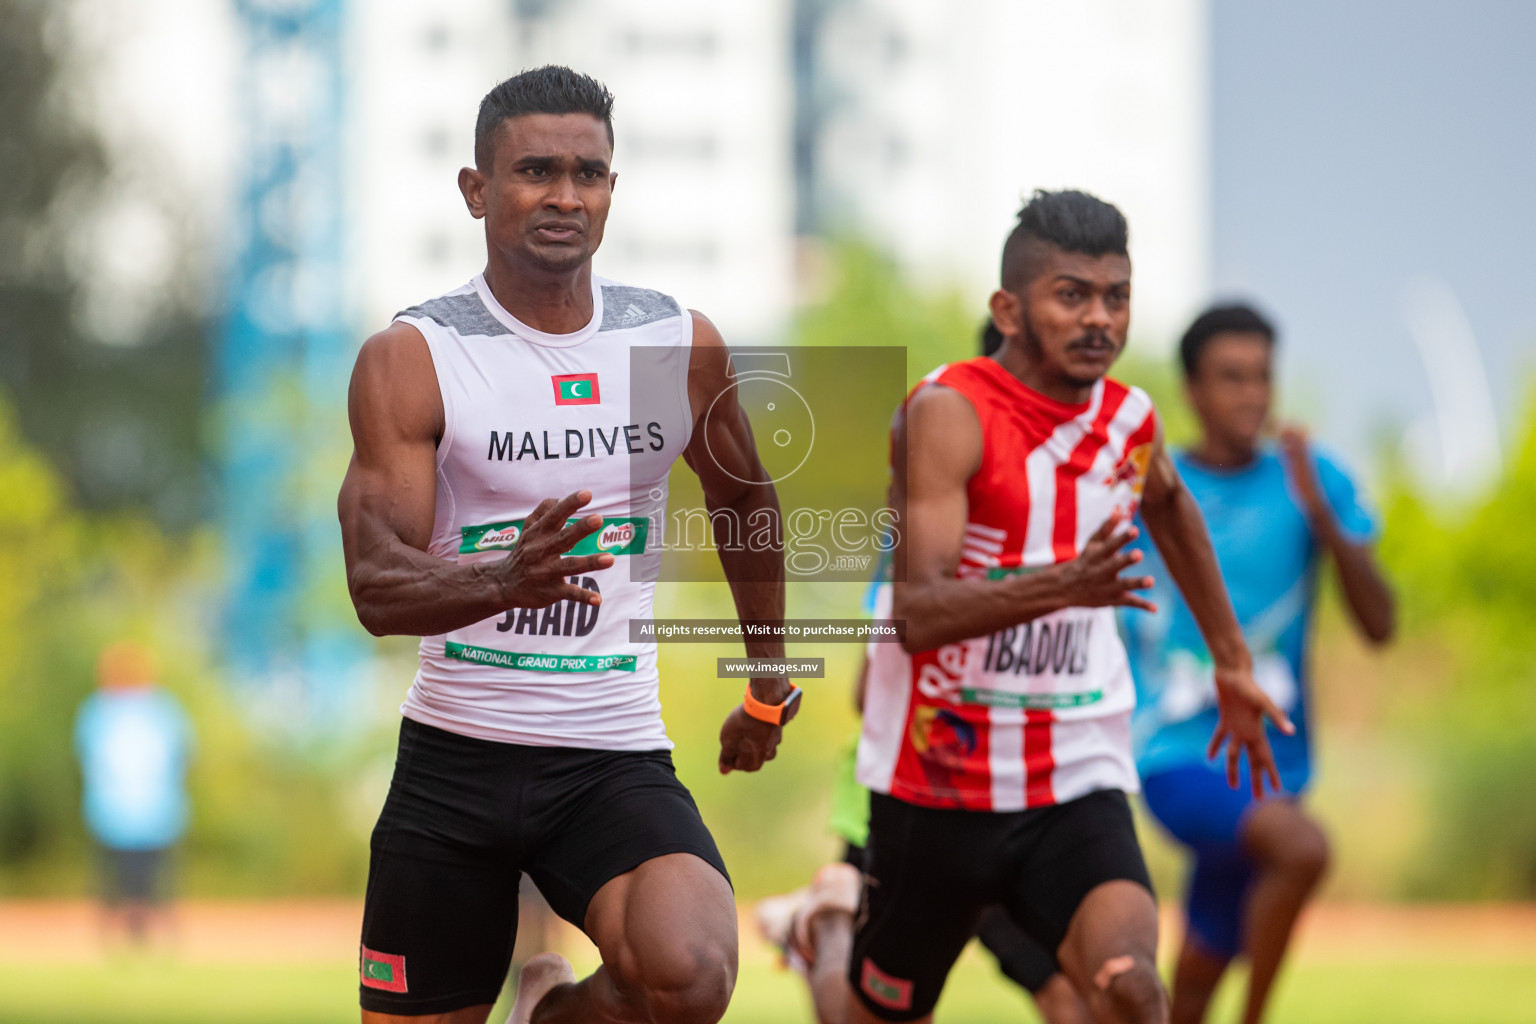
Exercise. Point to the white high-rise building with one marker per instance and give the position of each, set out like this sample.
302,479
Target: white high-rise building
704,203
935,120
916,124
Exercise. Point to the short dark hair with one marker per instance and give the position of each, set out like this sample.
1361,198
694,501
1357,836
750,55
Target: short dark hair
551,89
1069,220
1233,318
991,338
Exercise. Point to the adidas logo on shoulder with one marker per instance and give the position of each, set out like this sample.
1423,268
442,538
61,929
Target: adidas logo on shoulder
625,307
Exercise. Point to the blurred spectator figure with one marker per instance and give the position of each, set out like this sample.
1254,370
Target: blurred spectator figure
133,741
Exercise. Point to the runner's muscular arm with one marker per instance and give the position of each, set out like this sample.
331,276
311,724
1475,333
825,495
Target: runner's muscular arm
938,448
724,455
1178,530
1366,590
388,501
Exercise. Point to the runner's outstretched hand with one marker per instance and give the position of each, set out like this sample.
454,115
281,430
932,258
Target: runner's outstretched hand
1093,580
1241,708
1301,466
534,574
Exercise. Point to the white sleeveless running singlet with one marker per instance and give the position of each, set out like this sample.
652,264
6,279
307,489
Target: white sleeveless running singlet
529,416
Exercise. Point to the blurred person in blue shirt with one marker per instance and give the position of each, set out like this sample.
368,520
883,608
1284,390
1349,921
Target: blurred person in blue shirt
1276,512
133,742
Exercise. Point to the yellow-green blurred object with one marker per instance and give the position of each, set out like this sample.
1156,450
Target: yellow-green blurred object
850,801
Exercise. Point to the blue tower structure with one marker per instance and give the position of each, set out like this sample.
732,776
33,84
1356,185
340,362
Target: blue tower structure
287,344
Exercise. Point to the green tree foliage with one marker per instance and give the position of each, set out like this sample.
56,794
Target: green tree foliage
120,421
39,544
101,451
265,818
1467,587
869,303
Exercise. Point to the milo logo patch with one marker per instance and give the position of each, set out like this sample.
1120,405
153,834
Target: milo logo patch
500,537
615,536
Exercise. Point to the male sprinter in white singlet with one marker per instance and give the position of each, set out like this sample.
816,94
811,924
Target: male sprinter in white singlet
532,739
999,752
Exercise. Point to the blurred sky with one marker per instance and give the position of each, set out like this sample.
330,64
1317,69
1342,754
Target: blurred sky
1361,146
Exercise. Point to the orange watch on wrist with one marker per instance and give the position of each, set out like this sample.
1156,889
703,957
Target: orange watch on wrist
773,714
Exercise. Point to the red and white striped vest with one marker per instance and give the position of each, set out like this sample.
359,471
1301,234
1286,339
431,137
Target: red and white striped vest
1037,713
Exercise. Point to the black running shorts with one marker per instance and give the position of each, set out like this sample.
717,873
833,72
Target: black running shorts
931,872
1020,958
465,818
134,876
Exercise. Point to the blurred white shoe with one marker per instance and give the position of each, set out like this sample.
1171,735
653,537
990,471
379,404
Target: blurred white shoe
835,889
774,915
538,976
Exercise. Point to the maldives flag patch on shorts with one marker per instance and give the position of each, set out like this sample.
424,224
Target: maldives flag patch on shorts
891,993
576,389
383,971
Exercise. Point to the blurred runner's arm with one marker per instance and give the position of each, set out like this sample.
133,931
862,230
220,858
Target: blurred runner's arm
1366,590
388,501
937,449
724,455
1178,529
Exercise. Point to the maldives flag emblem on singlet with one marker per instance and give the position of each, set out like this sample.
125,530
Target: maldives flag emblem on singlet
576,389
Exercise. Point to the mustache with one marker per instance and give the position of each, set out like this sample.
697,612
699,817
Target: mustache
1092,340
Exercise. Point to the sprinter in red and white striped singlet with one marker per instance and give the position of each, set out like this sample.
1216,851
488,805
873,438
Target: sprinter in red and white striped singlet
1037,712
997,742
